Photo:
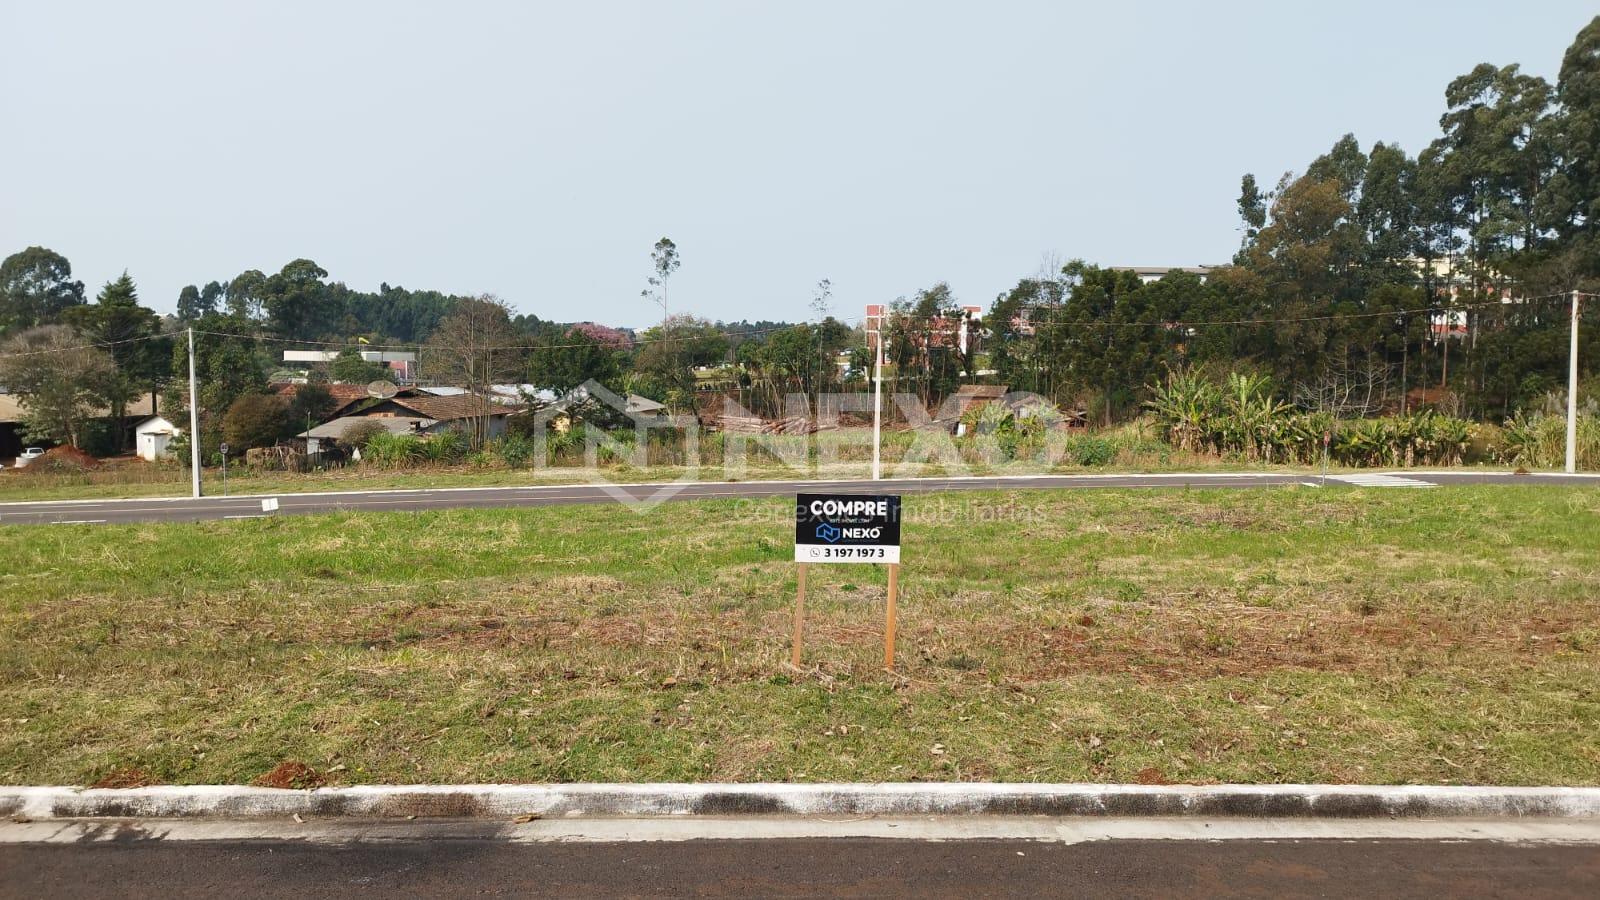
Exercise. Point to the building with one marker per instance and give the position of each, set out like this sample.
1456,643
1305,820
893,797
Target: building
941,331
1150,274
13,411
402,363
152,437
321,438
461,412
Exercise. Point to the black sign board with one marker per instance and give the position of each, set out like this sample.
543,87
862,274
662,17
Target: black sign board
847,528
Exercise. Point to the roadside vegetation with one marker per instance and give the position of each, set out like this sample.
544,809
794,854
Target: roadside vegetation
1301,635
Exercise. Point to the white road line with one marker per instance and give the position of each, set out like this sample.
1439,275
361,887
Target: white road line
1375,480
79,522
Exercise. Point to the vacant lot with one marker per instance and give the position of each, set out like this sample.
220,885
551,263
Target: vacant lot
1448,635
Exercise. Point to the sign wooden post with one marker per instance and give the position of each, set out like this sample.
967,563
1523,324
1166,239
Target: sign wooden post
847,528
888,618
799,618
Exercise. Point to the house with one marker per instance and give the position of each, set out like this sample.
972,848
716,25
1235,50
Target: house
320,438
641,407
461,412
345,396
972,396
152,436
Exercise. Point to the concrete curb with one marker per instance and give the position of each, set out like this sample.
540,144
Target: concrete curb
895,799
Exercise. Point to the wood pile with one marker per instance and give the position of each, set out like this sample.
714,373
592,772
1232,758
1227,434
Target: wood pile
758,425
275,458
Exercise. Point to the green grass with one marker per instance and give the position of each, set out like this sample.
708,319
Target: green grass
1449,635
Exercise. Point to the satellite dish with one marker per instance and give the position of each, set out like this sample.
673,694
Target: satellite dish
382,390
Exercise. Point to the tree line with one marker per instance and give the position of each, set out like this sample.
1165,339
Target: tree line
1374,281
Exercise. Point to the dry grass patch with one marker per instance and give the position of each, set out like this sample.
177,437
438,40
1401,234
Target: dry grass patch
1211,635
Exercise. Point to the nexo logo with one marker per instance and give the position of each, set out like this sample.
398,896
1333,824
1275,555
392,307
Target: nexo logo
826,532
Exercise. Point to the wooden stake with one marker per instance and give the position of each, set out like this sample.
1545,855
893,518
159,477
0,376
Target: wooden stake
799,617
888,618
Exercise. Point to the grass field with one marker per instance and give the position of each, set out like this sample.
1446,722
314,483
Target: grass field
1300,635
834,454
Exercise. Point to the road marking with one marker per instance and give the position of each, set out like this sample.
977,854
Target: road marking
1375,480
79,522
249,516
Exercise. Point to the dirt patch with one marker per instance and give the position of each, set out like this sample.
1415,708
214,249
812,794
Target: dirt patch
1238,640
62,459
125,777
582,585
1151,775
292,775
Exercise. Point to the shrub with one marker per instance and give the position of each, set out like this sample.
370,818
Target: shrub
392,451
359,435
255,420
444,447
1540,441
515,450
1090,450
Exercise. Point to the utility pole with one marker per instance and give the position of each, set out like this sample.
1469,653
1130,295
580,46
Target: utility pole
194,421
1572,391
877,406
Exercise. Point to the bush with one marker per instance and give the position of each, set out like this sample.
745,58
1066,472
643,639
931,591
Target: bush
1244,417
1540,441
392,451
444,447
255,420
359,435
515,450
1091,450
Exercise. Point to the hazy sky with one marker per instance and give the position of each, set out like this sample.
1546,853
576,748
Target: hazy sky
537,150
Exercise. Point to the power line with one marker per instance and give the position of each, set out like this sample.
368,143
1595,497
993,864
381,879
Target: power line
101,345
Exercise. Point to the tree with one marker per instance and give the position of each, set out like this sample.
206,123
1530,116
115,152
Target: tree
128,333
36,286
63,381
296,301
1572,199
245,295
476,346
310,404
664,261
256,420
350,368
1491,161
569,359
228,365
1252,207
194,303
670,352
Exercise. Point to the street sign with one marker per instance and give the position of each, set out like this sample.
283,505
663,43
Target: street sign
847,528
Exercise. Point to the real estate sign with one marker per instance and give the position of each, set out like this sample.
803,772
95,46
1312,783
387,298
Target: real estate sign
847,528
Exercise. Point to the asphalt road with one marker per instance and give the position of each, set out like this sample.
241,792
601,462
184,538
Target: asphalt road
185,509
861,867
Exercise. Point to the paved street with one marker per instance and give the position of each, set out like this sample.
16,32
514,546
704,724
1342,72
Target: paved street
861,867
185,509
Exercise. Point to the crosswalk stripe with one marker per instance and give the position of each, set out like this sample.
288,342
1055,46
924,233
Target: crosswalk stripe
1382,481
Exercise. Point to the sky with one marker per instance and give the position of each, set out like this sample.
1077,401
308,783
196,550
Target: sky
536,151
